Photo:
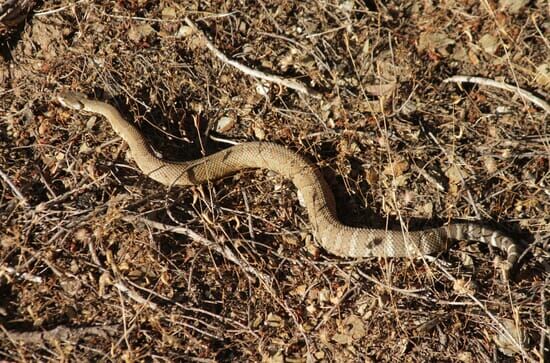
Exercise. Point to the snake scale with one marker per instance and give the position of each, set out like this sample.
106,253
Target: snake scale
331,234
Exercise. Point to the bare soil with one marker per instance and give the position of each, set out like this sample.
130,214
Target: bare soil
245,281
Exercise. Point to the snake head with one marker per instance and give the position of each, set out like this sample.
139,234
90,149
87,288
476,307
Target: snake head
72,100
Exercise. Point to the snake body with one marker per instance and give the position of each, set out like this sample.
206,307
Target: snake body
330,233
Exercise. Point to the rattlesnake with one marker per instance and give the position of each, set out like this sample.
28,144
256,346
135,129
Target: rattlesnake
331,234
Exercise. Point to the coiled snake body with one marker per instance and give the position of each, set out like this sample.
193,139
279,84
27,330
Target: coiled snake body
331,234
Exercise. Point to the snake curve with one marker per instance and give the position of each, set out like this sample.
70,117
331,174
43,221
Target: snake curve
330,233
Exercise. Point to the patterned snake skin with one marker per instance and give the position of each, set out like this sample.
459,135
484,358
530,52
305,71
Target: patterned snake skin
332,235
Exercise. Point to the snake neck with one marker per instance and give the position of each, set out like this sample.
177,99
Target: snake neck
123,128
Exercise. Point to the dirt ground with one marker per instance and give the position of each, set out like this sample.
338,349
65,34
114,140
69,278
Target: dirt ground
243,279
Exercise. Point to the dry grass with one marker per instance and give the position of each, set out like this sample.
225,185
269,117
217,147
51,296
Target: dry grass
245,281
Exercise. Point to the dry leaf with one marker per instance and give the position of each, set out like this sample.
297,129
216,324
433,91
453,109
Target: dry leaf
396,168
324,295
274,320
169,13
466,357
489,43
259,133
427,209
512,6
429,41
140,32
381,89
473,57
455,174
224,124
372,176
464,287
104,281
71,286
261,89
45,34
277,357
184,31
490,164
459,53
311,309
350,330
504,343
466,260
543,74
347,6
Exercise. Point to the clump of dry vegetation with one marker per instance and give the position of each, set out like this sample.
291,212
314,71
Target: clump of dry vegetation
82,278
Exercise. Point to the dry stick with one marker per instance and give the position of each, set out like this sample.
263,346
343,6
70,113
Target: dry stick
125,330
500,327
121,287
61,333
224,251
491,83
428,177
132,294
14,189
543,335
504,266
118,283
416,293
145,302
249,216
295,85
57,10
18,275
197,310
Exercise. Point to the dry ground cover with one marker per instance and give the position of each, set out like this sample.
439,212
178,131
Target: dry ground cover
243,279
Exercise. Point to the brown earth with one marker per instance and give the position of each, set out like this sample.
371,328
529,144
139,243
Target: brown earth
244,281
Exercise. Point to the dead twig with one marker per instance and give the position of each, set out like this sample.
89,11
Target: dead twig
57,10
121,287
61,333
223,250
249,216
492,83
14,189
227,253
295,85
20,276
499,327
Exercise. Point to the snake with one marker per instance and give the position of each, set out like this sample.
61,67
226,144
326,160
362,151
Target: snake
330,233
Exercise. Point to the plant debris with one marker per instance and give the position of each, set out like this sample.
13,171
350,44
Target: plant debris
97,262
